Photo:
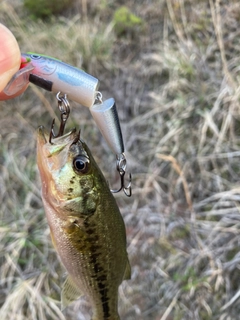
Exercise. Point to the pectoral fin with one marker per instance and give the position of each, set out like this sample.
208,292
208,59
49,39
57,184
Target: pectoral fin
70,292
127,273
53,240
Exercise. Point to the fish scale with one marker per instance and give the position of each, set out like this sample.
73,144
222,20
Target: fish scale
87,228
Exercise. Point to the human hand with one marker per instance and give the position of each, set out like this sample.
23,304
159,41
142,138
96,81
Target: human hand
10,60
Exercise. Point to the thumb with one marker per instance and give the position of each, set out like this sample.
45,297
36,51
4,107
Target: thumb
10,57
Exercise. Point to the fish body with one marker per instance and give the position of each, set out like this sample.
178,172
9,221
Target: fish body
54,75
86,226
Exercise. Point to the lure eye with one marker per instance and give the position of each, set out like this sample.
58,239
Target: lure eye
35,56
81,164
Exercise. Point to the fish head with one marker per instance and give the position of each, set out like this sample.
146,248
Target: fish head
69,174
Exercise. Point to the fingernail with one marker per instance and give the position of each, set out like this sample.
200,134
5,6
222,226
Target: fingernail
6,77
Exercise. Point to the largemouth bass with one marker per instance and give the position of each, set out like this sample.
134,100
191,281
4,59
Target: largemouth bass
86,226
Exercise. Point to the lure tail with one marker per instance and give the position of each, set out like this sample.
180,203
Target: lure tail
106,117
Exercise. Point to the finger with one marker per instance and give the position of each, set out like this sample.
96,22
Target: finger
10,56
3,96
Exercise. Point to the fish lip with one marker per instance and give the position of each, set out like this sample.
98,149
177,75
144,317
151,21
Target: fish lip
69,136
41,133
43,136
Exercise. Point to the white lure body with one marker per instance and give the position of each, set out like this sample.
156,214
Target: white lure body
54,75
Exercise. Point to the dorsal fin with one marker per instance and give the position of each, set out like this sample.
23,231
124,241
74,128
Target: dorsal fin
127,273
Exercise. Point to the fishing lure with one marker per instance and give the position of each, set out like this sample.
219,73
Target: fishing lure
106,117
56,76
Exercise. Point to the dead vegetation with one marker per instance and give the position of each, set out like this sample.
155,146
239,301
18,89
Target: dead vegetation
176,84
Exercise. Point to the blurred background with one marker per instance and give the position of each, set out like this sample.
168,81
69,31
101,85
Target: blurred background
173,67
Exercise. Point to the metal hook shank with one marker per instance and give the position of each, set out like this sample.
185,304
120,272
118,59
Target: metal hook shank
64,108
121,168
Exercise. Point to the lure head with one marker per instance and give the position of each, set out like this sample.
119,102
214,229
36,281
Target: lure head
31,63
43,65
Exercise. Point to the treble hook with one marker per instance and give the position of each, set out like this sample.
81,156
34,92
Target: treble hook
64,108
121,168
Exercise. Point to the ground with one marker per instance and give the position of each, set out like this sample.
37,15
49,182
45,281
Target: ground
173,69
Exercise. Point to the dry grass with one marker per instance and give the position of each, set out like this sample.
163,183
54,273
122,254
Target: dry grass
177,90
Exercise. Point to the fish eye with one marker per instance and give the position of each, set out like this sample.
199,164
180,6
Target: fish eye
35,56
81,164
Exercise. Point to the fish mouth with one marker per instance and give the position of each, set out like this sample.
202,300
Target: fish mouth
44,137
